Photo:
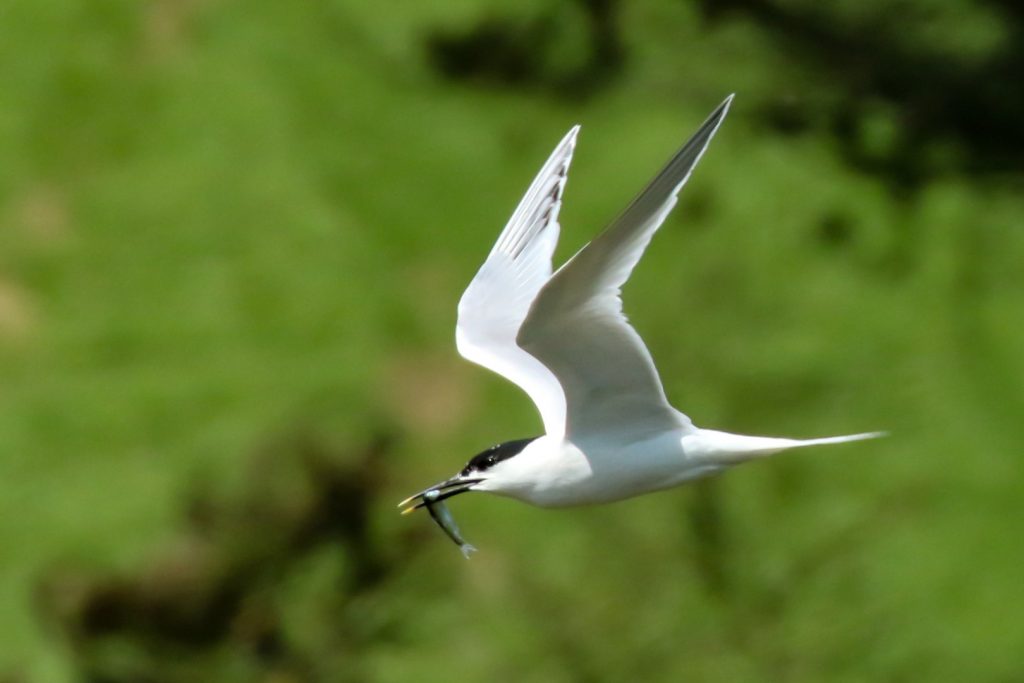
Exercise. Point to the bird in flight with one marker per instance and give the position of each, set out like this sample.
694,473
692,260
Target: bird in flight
561,336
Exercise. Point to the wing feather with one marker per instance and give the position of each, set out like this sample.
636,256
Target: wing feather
493,307
576,327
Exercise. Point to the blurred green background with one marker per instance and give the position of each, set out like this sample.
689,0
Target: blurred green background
232,238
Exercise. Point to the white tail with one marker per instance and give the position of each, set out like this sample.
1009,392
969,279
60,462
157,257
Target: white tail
838,439
727,448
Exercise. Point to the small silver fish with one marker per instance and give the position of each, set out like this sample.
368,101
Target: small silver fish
443,516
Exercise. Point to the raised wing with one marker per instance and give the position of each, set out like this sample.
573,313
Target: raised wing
576,327
494,305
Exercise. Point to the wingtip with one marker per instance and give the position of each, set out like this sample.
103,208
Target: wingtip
570,137
723,108
566,146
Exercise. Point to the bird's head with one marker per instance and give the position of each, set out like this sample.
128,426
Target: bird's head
483,472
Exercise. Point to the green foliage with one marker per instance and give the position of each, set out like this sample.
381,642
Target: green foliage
224,221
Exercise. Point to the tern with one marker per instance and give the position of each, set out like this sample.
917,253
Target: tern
609,431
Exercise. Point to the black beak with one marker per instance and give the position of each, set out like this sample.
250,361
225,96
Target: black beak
448,488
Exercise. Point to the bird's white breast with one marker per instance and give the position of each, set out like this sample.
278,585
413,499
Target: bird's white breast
560,473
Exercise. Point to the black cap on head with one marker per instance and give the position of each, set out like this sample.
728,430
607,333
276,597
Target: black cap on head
484,460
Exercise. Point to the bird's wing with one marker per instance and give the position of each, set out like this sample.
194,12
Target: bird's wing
494,305
576,327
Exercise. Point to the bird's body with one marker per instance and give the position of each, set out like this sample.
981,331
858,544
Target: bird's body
553,472
610,432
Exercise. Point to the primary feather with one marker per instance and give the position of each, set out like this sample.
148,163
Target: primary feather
576,327
493,307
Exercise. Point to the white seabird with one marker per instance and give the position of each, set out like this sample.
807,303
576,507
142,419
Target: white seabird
561,336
